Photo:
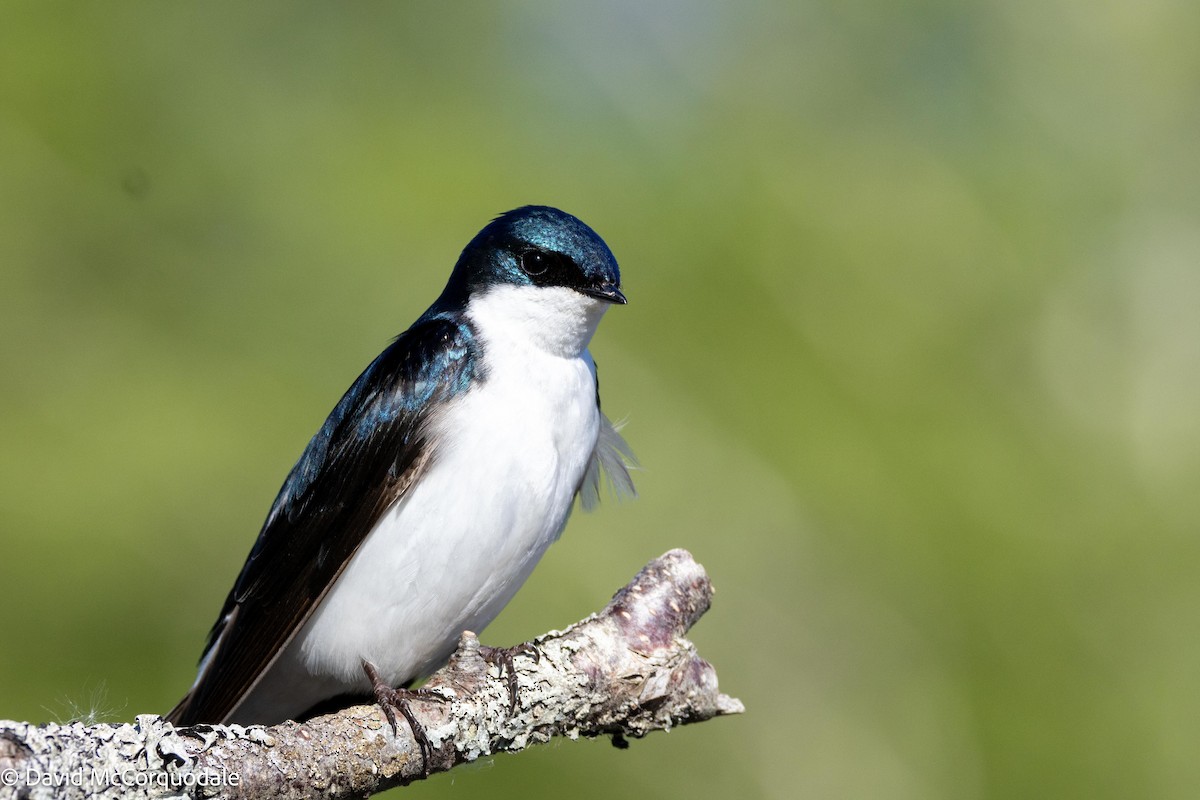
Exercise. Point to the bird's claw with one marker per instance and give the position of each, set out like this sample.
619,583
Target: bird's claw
502,659
392,699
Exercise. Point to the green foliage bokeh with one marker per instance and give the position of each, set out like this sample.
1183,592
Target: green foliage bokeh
911,359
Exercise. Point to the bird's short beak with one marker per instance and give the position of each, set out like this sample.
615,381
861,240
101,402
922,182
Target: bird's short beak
606,292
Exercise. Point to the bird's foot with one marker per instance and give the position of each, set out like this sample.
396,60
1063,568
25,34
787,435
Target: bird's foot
392,699
502,659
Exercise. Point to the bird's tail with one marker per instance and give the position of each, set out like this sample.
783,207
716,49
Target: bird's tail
179,714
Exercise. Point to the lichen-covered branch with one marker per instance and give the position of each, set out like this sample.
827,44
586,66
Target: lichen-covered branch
623,672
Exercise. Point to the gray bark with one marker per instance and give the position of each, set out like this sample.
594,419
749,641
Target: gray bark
623,672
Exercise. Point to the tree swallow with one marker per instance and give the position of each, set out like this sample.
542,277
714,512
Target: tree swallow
433,488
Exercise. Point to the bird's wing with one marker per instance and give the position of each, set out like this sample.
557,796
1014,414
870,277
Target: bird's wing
370,450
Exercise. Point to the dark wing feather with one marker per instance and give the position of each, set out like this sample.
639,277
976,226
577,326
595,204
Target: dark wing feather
366,455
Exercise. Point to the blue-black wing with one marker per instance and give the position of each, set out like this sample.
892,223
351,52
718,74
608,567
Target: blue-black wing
370,450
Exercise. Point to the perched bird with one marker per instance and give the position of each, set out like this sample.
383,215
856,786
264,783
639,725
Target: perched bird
433,488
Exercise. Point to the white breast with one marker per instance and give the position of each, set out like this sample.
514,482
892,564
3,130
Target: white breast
510,454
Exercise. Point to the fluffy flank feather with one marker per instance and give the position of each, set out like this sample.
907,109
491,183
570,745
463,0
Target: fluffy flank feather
612,457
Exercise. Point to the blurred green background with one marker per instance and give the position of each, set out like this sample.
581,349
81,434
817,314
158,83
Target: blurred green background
912,357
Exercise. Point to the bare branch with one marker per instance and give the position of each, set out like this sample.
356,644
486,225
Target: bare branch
623,672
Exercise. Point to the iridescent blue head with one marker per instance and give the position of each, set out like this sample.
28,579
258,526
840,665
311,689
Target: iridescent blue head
537,246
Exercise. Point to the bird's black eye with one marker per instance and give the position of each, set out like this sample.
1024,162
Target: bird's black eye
534,262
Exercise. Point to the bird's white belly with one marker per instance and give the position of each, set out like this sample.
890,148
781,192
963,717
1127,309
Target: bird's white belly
447,557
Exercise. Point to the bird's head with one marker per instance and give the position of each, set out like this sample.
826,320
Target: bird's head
541,269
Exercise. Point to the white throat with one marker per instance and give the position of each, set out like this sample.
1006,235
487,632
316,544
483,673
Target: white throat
554,319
